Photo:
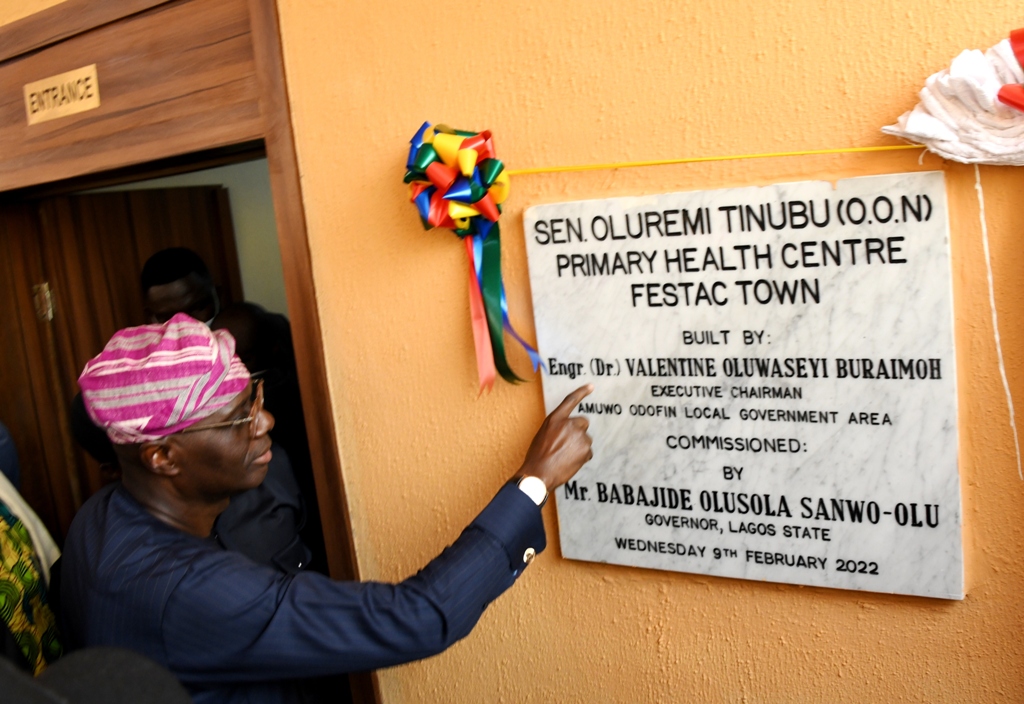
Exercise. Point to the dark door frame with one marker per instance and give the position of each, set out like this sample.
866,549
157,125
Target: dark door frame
71,18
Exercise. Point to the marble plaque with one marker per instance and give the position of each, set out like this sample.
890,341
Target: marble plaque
775,382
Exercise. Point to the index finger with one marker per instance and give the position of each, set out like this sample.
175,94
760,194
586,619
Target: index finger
572,400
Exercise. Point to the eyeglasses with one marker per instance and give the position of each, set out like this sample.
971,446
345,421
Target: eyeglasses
254,412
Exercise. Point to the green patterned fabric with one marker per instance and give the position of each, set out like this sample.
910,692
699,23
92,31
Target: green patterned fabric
23,606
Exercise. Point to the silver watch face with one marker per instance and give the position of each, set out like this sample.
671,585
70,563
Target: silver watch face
535,488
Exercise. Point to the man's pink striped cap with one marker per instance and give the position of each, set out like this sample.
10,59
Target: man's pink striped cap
156,380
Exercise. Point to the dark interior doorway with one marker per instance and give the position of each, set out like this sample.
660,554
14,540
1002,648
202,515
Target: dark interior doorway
71,278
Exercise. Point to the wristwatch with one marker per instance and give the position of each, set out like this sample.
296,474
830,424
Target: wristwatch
535,488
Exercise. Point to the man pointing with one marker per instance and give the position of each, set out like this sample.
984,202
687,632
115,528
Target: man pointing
142,571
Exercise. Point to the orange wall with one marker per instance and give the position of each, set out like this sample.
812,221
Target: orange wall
564,82
11,10
569,82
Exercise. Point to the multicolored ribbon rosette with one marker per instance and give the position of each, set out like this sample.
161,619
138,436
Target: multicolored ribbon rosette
456,181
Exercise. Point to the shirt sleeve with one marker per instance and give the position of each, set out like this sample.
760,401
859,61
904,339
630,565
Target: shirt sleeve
231,620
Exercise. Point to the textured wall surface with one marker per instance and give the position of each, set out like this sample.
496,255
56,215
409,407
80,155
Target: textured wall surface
570,82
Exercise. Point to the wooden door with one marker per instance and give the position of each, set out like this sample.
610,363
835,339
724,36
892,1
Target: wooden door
87,251
30,400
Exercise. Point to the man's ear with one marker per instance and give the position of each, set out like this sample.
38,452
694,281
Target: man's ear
157,458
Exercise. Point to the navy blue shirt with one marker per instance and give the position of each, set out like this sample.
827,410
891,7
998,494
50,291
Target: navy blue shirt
235,631
9,457
265,523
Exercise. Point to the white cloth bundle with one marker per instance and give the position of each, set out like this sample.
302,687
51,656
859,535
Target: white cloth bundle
959,116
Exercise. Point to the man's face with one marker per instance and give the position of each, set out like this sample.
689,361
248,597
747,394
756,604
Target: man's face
225,461
189,295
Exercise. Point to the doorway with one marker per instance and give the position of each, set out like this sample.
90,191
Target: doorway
89,247
184,84
72,270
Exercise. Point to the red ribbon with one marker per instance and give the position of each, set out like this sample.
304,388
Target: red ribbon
481,336
1013,94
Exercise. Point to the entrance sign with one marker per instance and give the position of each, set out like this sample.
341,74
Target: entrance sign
775,380
62,95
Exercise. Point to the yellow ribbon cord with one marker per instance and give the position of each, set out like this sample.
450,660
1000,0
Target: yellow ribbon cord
697,159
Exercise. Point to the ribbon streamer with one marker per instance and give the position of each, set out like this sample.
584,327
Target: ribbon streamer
456,181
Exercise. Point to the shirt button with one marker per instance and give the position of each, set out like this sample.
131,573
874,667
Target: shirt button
529,555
